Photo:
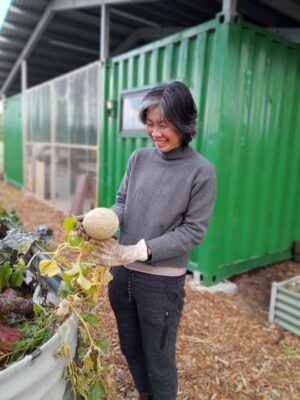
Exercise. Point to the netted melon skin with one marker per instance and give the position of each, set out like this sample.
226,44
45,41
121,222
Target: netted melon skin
100,223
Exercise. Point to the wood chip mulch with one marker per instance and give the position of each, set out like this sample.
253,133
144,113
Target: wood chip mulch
226,349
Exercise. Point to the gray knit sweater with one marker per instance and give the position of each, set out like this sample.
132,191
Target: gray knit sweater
166,199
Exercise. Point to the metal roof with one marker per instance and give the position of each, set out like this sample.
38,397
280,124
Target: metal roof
70,37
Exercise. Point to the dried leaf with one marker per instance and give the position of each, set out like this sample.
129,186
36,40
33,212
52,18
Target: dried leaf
49,267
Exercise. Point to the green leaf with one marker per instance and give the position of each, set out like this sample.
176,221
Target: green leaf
69,224
288,350
91,318
64,289
21,344
38,309
5,274
16,278
29,329
81,352
96,392
103,344
75,240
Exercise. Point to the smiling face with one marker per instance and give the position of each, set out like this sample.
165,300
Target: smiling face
161,131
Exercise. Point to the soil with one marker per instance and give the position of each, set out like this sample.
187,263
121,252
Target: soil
226,348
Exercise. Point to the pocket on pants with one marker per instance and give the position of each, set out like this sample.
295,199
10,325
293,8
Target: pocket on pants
165,330
175,292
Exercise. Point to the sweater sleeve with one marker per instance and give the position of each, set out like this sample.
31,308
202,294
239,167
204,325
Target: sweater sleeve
194,226
119,205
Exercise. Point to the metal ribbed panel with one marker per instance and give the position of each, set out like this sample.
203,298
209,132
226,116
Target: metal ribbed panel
246,85
36,5
13,141
257,155
285,304
26,11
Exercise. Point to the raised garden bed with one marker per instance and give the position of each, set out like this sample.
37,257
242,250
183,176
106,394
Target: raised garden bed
37,346
38,375
285,304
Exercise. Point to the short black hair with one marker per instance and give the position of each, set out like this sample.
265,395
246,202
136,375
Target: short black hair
177,107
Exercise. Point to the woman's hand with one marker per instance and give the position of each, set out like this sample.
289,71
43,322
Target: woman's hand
110,253
79,227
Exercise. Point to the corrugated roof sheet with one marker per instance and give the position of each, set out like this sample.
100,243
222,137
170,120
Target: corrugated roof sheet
72,37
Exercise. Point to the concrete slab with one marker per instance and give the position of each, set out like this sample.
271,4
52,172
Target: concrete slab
225,286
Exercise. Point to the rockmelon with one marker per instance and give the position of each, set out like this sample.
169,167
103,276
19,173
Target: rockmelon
100,223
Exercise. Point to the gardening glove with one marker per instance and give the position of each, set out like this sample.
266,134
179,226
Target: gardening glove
110,253
79,227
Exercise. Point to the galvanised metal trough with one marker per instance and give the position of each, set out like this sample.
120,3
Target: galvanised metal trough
40,375
285,304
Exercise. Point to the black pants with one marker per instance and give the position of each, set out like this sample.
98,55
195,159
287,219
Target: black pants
148,309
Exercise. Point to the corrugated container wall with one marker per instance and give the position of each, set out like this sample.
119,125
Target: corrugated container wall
246,85
13,140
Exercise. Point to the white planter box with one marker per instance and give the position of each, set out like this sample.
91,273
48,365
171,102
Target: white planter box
39,376
285,304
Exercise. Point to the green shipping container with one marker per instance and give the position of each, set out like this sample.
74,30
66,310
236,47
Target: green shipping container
13,140
246,85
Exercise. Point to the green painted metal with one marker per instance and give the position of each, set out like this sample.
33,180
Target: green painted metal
13,140
246,85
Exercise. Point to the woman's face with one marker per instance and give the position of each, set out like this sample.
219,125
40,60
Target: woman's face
161,132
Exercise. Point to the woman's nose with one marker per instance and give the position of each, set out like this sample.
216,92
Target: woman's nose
156,131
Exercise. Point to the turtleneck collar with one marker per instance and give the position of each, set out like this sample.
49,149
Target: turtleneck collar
175,154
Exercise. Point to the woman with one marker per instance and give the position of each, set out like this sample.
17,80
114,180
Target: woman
164,205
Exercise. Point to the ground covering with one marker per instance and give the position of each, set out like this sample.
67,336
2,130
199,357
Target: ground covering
227,349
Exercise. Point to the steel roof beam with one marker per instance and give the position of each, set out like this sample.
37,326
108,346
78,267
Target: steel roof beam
64,54
91,20
134,18
71,46
37,33
70,28
291,34
82,18
145,34
61,5
287,7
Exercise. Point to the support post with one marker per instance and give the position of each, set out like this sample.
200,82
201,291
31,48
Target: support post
24,80
104,32
229,7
